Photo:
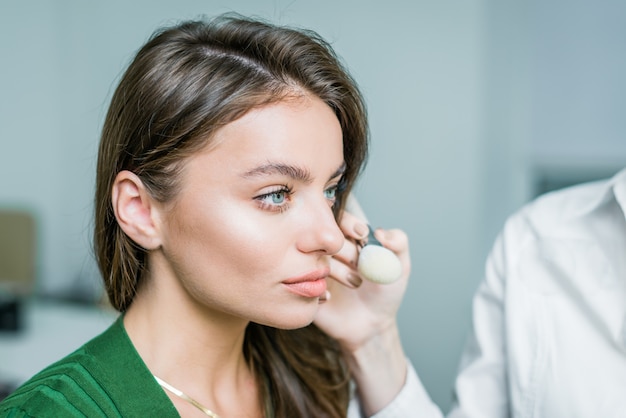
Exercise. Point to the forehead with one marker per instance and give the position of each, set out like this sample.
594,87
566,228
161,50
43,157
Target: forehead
295,129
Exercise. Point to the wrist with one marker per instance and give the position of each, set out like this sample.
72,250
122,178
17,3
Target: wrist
378,367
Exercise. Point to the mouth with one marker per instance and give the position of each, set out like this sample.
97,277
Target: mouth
310,285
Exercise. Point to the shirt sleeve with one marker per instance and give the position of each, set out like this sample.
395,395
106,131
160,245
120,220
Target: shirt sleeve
481,386
412,401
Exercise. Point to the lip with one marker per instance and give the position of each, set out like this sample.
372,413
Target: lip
309,285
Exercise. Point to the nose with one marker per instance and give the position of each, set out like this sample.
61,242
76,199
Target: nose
320,232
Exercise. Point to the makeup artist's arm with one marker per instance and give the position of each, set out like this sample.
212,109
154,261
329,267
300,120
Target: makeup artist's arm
361,315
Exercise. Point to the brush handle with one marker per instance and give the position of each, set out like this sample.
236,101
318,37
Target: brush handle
353,206
371,238
376,263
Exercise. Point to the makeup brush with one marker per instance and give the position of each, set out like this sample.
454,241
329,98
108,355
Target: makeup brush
376,263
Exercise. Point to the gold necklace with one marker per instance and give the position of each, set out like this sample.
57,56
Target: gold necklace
185,397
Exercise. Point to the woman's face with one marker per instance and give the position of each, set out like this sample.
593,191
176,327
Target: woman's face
251,230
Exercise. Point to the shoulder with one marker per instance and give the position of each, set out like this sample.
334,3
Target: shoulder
567,215
62,389
560,213
569,234
105,377
72,386
561,208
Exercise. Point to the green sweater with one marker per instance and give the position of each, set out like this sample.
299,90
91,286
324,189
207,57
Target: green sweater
104,378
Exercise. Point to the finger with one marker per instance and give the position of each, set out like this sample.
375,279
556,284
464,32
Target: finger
349,253
394,239
353,227
342,273
324,298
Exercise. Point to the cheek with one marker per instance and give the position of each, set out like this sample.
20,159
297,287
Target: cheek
230,241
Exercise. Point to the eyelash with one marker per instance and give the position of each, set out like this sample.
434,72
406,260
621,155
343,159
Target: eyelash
275,207
288,191
335,190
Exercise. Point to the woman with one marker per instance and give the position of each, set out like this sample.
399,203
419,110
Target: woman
225,160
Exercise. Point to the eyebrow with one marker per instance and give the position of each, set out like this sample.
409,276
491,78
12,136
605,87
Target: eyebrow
295,172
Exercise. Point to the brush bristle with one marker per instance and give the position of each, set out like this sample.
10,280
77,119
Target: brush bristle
379,265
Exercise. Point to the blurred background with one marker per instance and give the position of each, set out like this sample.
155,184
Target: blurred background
475,108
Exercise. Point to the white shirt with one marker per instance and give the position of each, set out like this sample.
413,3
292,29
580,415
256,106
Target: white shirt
411,402
549,319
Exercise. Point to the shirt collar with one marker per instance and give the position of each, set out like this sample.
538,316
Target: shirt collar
614,188
618,183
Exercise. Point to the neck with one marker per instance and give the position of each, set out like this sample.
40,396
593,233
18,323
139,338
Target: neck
197,350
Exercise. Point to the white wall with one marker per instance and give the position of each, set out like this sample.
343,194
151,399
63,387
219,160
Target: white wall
579,90
460,98
418,63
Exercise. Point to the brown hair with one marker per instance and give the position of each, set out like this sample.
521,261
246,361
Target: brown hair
186,82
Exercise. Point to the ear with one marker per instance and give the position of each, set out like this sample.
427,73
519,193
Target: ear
135,210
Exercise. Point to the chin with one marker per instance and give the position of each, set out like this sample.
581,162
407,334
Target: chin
291,318
295,326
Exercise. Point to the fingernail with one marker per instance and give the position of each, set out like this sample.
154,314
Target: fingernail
361,230
354,280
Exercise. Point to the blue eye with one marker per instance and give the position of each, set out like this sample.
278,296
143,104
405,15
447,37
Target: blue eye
331,193
277,197
275,201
